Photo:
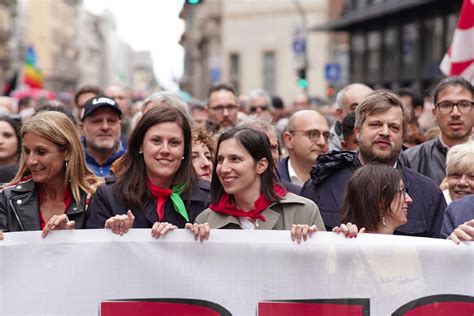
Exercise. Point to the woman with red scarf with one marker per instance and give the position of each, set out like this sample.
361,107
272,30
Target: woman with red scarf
156,186
245,192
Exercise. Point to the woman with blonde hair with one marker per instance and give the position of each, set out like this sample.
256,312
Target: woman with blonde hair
459,172
52,186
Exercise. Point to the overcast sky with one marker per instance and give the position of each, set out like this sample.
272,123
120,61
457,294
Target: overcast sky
151,25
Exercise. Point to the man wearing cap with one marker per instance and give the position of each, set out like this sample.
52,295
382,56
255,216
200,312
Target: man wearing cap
100,126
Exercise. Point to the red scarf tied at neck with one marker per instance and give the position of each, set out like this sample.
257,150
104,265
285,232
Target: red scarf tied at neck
225,206
162,195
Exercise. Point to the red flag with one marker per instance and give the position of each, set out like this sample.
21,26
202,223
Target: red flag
459,60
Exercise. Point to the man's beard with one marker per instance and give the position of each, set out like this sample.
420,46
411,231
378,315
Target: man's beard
369,156
104,147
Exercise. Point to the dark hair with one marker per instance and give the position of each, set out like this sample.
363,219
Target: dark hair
196,105
87,89
24,101
380,101
220,86
16,125
131,178
277,102
347,125
57,107
416,98
258,146
450,82
370,192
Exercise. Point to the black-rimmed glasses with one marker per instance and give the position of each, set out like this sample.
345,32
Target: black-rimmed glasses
464,106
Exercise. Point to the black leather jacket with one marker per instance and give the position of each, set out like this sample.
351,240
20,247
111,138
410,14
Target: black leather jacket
428,159
19,210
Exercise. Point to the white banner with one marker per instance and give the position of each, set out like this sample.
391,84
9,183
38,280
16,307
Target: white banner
72,272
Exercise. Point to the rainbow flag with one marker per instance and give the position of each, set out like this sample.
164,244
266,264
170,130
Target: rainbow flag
31,73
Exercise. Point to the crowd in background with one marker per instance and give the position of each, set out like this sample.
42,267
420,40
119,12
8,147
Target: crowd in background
392,162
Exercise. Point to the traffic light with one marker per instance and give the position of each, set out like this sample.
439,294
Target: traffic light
194,2
302,80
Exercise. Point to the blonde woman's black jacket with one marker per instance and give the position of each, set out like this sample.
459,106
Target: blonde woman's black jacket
19,209
106,203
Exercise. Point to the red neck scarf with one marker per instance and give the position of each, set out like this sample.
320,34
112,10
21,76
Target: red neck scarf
67,198
225,206
161,195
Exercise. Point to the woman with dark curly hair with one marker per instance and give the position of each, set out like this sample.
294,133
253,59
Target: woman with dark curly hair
202,152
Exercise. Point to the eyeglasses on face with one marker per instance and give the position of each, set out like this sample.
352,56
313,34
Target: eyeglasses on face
464,106
220,108
254,109
314,134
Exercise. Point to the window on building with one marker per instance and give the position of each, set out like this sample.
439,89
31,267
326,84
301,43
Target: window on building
357,57
410,50
375,55
451,21
433,47
391,53
269,72
235,71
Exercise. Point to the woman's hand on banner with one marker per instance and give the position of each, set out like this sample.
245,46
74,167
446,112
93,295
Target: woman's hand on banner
464,232
201,231
120,224
58,222
349,230
160,229
299,232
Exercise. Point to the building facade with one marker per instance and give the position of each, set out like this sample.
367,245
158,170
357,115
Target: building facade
8,45
51,28
91,50
254,44
396,43
202,46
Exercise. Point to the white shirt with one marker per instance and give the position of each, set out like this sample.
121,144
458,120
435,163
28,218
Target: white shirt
293,177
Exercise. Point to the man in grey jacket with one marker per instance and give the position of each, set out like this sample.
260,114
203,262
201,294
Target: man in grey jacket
453,98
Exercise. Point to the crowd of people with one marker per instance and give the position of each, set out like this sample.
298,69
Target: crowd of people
371,163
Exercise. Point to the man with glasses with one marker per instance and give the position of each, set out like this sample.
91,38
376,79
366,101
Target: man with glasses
222,106
453,99
260,104
306,137
380,125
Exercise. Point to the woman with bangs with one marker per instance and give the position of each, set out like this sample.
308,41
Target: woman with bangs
246,194
51,188
156,186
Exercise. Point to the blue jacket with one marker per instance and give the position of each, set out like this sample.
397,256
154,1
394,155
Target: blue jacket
282,169
103,170
329,179
457,213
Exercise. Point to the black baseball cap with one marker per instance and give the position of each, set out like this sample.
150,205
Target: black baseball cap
97,102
